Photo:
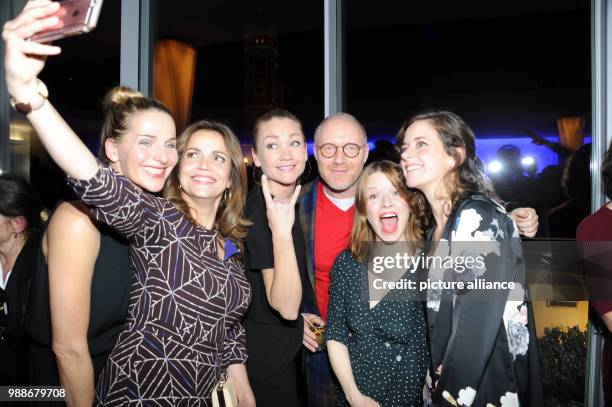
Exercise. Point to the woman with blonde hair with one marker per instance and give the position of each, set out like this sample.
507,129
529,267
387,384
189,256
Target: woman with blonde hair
377,337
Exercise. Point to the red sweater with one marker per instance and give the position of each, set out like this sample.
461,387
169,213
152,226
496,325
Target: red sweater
332,234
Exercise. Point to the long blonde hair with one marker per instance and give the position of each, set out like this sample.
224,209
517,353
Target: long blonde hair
229,219
418,220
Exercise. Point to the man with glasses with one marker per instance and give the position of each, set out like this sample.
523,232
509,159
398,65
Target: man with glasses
326,216
326,209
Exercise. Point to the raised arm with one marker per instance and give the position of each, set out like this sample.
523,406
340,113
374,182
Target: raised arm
23,61
282,282
70,278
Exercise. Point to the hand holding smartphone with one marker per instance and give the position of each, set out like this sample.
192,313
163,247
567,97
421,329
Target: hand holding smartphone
75,17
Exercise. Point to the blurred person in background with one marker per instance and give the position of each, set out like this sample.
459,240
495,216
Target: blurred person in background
21,215
563,219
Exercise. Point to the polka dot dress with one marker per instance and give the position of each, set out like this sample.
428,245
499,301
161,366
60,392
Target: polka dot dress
387,343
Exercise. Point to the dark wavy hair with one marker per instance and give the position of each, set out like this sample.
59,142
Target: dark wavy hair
468,177
18,198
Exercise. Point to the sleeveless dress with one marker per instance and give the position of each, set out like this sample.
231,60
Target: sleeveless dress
108,309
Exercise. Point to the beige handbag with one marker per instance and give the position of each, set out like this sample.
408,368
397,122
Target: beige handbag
224,393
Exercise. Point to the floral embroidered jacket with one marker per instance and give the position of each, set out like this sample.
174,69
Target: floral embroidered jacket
483,341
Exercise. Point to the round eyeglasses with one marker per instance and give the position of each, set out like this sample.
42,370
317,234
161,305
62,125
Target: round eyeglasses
350,150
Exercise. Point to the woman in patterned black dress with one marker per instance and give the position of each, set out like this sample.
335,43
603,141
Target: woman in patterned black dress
483,343
189,291
377,338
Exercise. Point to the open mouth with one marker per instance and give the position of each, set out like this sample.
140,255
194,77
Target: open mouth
389,222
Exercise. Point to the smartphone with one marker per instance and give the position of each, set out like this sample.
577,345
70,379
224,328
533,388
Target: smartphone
76,17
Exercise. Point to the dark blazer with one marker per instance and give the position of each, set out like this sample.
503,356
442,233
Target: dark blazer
13,352
19,283
306,208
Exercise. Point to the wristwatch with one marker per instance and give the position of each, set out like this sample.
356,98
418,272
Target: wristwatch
37,100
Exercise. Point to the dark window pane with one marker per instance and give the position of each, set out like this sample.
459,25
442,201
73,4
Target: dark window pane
248,59
77,80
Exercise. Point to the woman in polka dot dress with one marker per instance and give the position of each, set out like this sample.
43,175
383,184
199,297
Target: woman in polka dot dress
376,337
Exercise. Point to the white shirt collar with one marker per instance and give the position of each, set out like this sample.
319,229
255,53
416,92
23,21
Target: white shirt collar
343,204
2,281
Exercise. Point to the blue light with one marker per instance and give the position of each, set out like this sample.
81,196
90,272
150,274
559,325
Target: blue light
487,146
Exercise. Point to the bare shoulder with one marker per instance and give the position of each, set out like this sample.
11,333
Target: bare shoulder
71,226
72,217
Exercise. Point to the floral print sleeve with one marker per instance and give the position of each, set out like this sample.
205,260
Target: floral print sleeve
487,328
118,202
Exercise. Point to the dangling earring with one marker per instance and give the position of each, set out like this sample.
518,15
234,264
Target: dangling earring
306,172
256,175
227,196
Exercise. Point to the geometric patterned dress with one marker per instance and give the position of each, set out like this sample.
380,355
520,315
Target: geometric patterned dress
184,321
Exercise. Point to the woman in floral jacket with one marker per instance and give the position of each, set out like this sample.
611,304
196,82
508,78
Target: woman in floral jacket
482,341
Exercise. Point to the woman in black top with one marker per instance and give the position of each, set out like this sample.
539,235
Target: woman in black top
20,220
276,259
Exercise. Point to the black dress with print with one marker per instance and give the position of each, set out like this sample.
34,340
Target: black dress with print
387,343
484,340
